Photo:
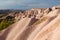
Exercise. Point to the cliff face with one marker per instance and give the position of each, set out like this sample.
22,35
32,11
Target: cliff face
34,24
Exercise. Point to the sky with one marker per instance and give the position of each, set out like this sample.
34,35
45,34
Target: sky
27,4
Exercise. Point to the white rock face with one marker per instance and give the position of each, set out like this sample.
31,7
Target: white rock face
55,7
35,24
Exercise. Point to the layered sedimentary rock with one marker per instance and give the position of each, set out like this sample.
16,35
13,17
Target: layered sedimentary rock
35,24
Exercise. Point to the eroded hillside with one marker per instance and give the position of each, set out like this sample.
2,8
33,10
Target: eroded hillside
34,24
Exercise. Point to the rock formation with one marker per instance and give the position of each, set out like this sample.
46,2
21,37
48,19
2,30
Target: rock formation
34,24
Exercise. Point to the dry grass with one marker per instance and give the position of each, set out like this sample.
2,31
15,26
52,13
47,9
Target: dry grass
41,20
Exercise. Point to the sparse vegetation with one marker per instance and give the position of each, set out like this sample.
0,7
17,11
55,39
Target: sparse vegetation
4,24
41,20
7,17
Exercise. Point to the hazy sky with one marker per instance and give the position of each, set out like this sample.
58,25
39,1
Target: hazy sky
26,4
